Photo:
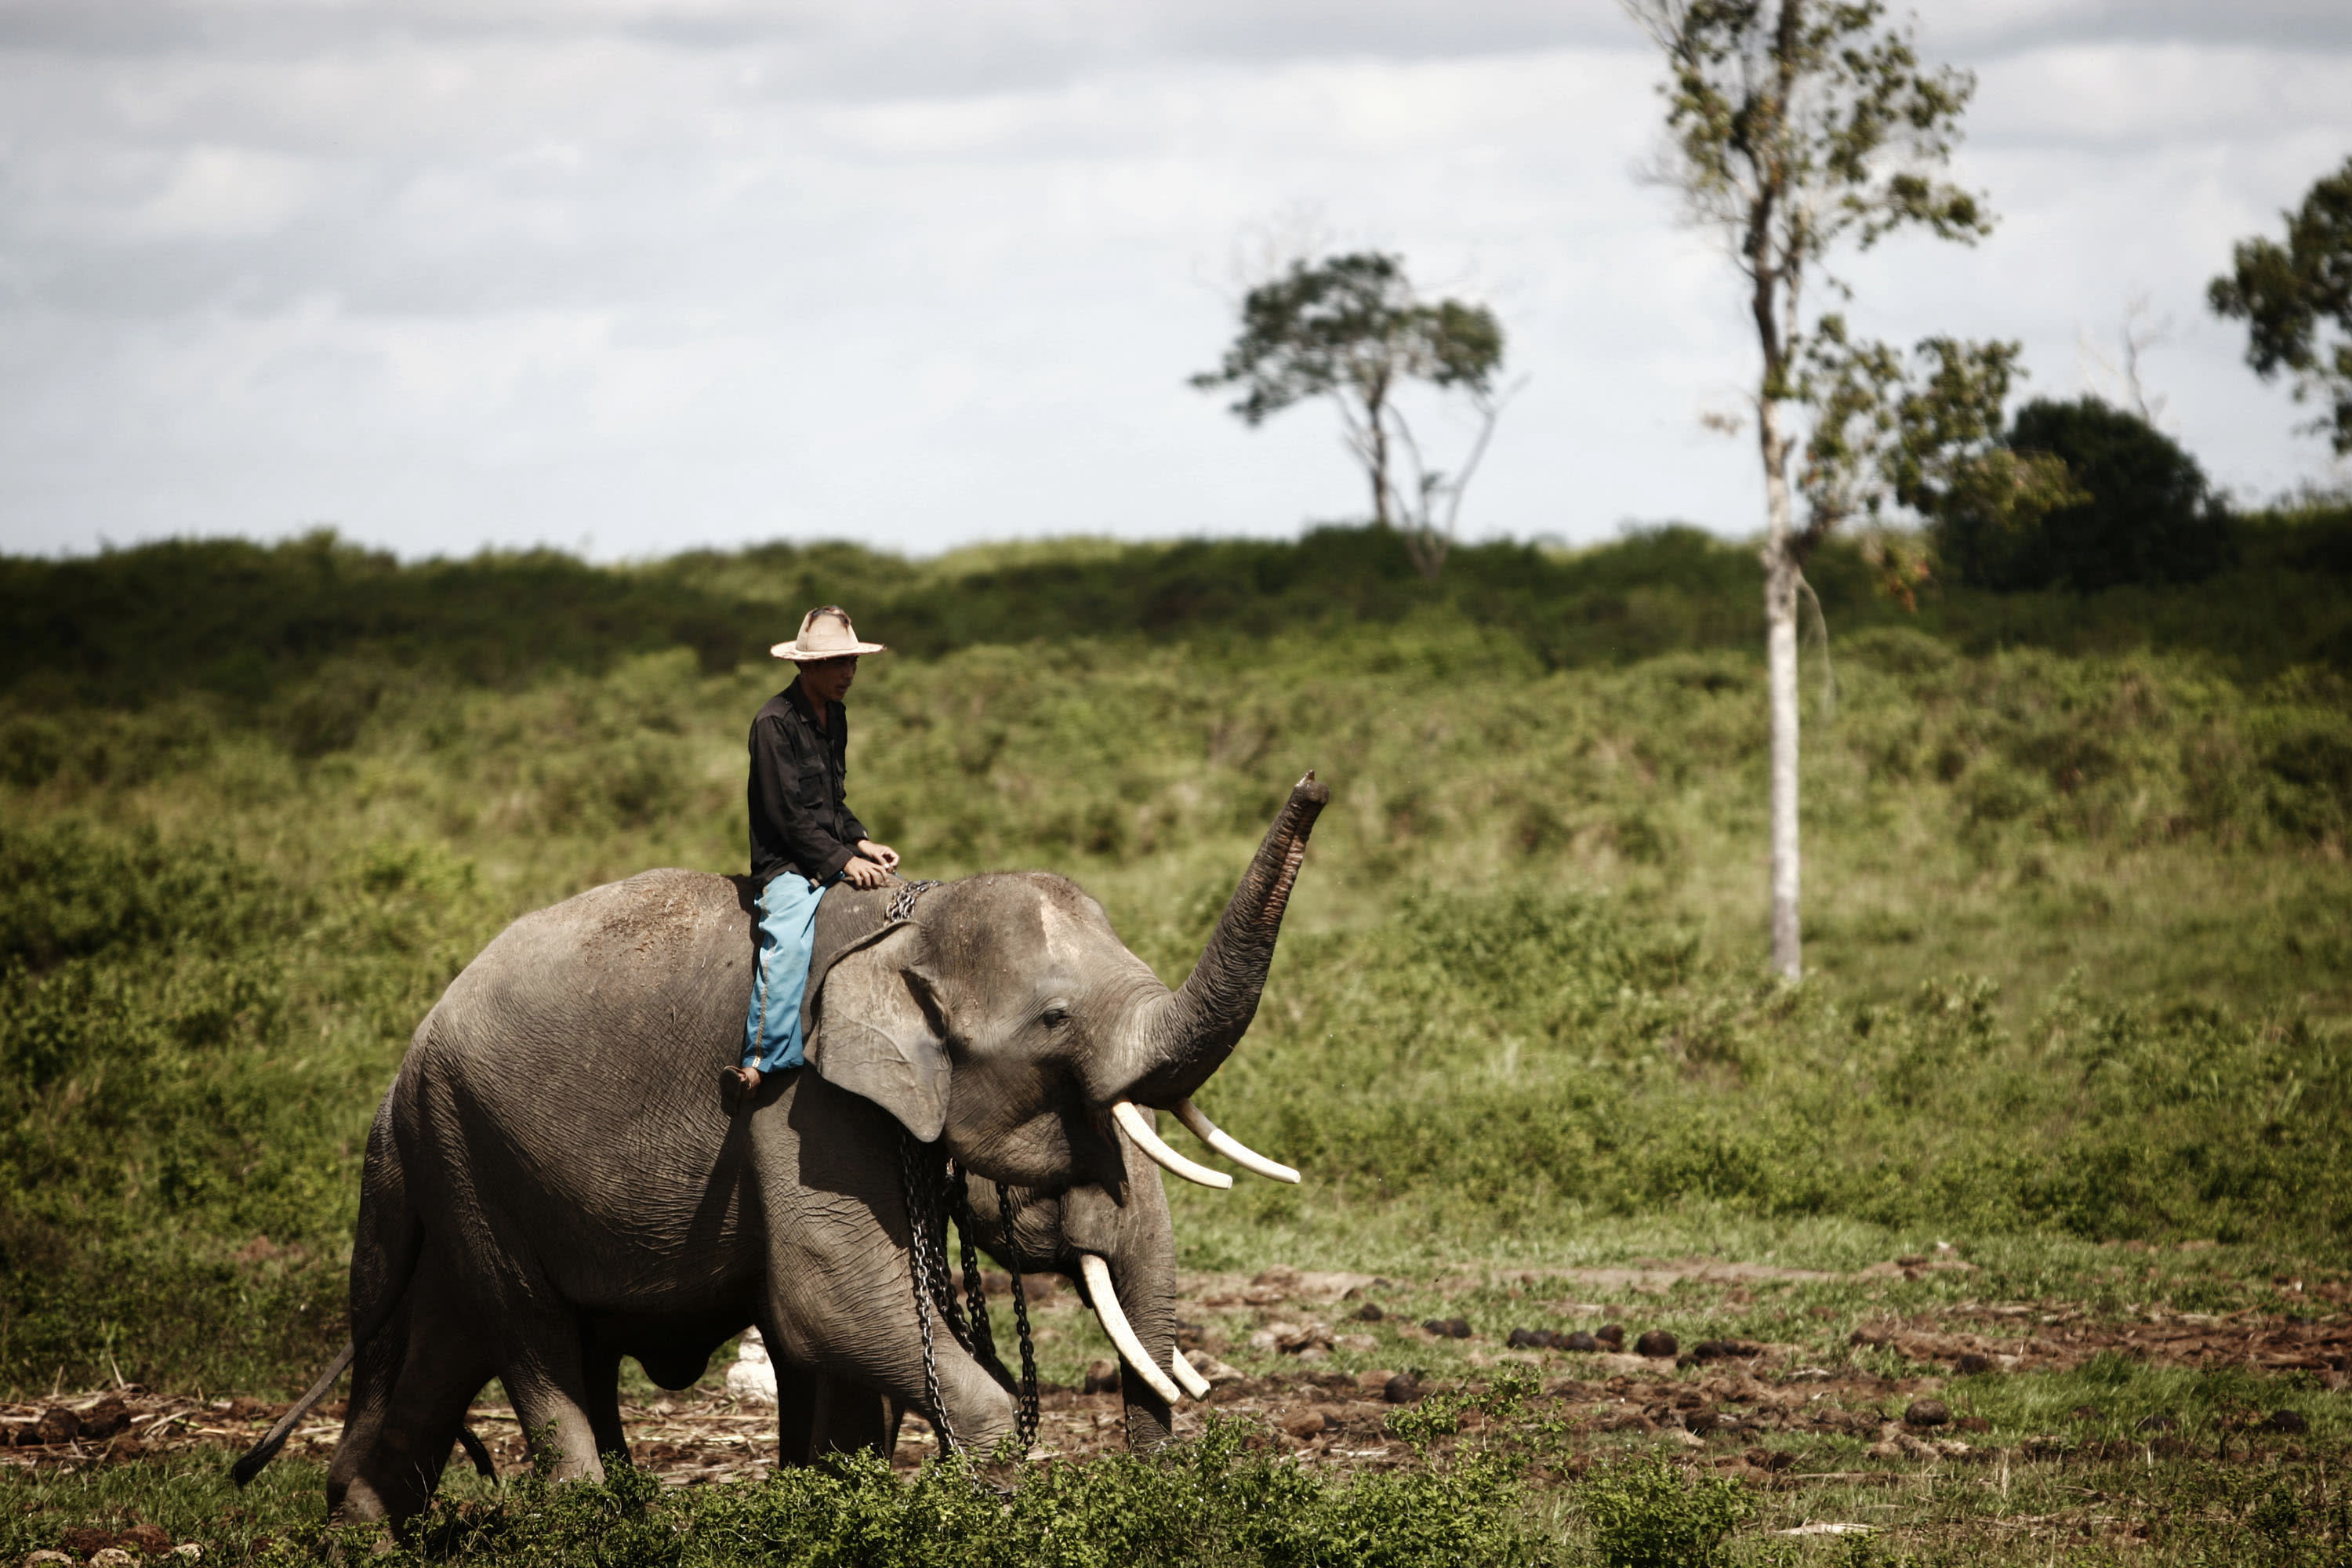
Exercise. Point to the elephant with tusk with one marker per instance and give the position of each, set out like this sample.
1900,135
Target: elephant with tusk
555,1180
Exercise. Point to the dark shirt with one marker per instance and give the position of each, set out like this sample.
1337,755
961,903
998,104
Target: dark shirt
800,820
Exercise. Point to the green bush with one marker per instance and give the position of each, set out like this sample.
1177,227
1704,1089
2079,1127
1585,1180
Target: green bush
2149,517
1520,989
1210,1502
1646,1513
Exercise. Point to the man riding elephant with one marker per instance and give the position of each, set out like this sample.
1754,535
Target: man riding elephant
554,1182
804,838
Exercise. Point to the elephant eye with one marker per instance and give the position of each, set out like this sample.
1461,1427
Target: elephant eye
1054,1018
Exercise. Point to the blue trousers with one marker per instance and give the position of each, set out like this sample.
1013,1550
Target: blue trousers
787,935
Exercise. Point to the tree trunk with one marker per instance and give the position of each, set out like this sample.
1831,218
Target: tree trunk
1781,578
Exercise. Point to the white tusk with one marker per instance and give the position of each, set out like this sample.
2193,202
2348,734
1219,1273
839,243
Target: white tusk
1114,1324
1130,1115
1230,1147
1194,1383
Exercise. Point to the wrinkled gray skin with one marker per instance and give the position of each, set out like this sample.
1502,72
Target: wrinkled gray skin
556,1182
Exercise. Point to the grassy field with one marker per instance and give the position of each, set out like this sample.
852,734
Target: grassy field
2078,919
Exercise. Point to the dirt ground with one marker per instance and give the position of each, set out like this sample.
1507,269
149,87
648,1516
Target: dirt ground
1729,1399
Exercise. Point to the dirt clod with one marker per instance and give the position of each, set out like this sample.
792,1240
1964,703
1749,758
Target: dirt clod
1724,1350
1306,1424
105,1419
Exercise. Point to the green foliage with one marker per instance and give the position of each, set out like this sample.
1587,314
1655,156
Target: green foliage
107,672
2291,295
1351,324
1517,999
1934,442
1826,126
2145,514
1211,1502
1646,1513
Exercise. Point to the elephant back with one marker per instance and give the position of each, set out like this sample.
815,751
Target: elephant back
635,982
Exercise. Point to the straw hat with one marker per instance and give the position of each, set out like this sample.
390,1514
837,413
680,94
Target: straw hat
825,633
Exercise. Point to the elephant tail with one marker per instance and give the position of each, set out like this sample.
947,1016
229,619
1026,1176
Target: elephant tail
386,1251
261,1453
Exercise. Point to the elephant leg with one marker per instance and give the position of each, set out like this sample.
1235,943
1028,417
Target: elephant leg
817,1414
868,1381
604,1401
390,1459
547,1374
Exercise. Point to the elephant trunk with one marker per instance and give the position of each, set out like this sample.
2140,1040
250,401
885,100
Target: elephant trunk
1121,1253
1193,1030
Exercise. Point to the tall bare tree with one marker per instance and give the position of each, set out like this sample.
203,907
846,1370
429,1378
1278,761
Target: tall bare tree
1794,128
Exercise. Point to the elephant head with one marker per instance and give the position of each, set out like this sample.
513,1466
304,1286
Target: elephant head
1007,1021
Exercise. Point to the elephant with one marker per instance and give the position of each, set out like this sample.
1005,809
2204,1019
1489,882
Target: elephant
556,1179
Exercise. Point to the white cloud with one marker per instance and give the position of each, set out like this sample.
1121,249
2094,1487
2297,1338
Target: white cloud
664,273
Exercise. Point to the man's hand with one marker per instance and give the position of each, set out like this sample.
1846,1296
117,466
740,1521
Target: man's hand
862,873
882,855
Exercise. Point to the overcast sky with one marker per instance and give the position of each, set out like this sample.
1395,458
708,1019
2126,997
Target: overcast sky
633,275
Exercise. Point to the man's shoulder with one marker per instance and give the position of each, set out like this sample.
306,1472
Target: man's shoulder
779,707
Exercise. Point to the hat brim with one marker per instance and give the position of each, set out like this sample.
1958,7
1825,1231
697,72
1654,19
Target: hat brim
799,654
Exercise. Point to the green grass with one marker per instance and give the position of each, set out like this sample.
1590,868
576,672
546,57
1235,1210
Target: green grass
2079,920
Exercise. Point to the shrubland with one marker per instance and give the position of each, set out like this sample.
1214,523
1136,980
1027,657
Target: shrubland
2078,922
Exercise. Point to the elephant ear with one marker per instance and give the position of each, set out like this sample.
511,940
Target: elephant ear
879,1032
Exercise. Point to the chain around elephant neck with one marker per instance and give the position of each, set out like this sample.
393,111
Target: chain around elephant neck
927,1266
1008,1213
901,906
937,1191
982,1333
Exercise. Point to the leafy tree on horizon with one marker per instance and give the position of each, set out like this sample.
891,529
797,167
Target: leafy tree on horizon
1350,328
1930,435
2143,511
1792,129
2288,295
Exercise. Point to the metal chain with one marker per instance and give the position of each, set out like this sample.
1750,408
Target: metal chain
983,1329
901,906
925,1266
1008,1211
975,1292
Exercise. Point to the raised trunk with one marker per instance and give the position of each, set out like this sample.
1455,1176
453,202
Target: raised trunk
1781,578
1180,1041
